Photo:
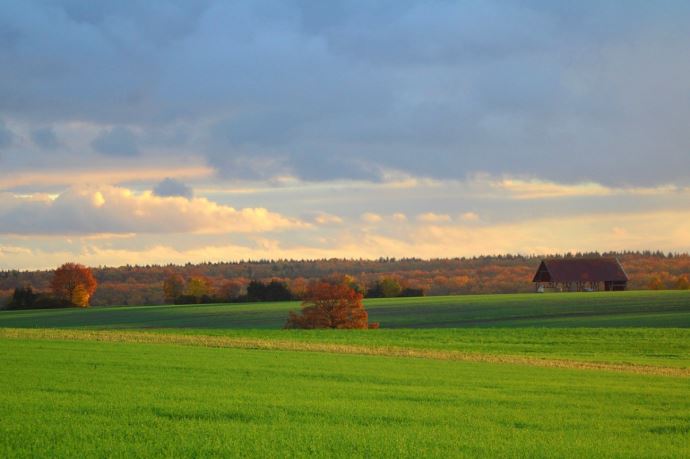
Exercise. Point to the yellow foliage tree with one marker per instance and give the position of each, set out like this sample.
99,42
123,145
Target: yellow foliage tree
80,296
655,283
198,287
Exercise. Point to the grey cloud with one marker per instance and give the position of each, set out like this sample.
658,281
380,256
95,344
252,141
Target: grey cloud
118,141
591,90
45,138
6,135
331,167
171,187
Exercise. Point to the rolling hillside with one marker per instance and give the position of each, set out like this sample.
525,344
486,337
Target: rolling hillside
602,309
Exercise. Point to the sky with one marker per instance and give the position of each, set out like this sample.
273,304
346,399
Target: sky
170,131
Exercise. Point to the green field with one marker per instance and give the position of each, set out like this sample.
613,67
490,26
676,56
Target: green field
571,375
76,398
603,309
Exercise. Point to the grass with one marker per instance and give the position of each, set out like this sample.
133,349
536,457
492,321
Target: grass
632,362
645,346
472,376
82,398
602,309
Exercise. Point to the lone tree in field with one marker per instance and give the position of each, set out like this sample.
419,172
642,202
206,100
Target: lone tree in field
74,283
330,306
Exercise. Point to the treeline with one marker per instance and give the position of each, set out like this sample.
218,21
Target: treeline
133,285
199,289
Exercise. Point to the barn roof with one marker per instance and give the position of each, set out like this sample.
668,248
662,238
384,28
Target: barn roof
598,269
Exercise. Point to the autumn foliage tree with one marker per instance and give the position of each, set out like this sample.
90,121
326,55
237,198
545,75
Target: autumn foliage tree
329,305
683,283
173,287
198,288
655,283
74,283
231,289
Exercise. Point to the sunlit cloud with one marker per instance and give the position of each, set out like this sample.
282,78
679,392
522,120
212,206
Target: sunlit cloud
69,177
538,189
431,217
108,209
664,230
469,217
535,189
327,219
372,218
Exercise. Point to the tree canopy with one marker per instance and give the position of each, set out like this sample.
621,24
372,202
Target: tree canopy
74,283
328,305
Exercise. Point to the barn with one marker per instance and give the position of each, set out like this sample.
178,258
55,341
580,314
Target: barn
580,275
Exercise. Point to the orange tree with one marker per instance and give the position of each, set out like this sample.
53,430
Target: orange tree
74,283
328,305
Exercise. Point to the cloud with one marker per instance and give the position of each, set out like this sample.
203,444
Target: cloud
118,141
345,91
13,251
520,111
323,218
666,231
44,137
111,176
431,217
171,187
536,189
371,218
113,210
6,135
469,217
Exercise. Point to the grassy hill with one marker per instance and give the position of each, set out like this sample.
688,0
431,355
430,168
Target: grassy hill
474,376
65,397
602,309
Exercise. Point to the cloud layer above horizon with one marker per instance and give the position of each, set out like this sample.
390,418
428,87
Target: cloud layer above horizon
306,128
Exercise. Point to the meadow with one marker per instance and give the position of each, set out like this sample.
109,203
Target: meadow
80,398
571,375
602,309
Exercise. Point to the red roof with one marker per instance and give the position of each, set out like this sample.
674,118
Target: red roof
600,269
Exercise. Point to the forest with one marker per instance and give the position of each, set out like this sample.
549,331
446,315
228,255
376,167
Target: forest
225,281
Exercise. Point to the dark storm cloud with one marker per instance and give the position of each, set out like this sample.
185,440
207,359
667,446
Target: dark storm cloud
118,141
170,187
45,138
566,91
